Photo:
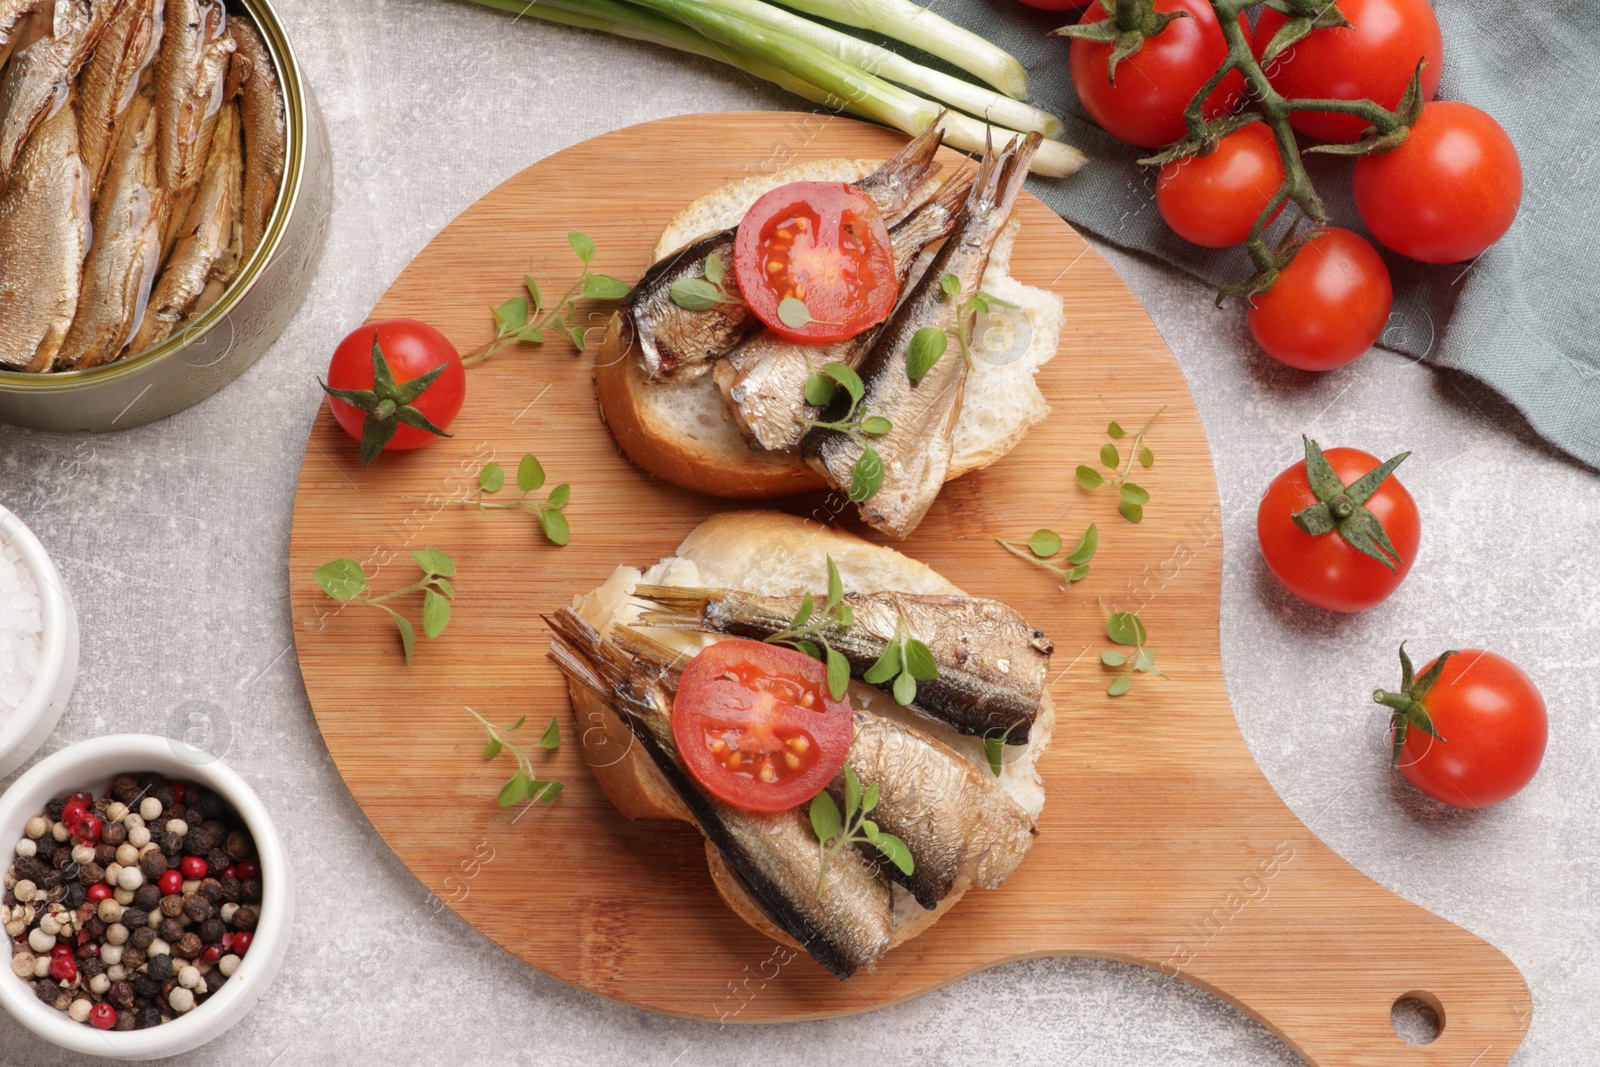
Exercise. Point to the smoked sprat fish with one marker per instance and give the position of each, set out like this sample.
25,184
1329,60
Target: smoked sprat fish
253,80
38,79
111,78
916,452
44,235
954,817
191,73
206,248
126,251
992,664
13,25
774,856
675,342
763,379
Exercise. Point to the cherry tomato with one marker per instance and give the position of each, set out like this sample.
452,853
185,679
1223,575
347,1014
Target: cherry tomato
756,726
823,244
1492,728
1154,85
1326,570
1372,59
411,349
1213,200
1328,305
1448,192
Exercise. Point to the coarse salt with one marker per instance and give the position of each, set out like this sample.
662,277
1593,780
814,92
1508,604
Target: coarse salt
21,630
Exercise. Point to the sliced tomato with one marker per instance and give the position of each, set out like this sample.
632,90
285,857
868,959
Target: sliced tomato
755,724
825,245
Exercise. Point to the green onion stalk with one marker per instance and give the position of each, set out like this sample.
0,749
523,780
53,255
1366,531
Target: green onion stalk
763,41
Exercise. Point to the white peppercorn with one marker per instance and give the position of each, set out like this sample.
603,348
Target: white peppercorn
122,896
130,878
110,955
100,984
226,912
49,925
116,972
109,911
37,827
149,808
40,941
116,811
177,826
24,891
181,999
139,837
228,964
22,964
27,848
158,947
127,855
82,854
41,967
189,978
60,832
79,1012
113,872
133,821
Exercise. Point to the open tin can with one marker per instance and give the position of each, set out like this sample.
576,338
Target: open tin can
232,334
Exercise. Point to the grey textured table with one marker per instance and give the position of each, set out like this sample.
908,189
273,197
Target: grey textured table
173,538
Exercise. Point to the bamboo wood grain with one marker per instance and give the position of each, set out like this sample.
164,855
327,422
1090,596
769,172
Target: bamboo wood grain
1161,843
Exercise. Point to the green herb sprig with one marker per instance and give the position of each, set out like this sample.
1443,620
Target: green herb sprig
703,294
928,345
793,313
1133,497
526,318
994,749
866,478
530,477
1040,550
906,660
1126,628
835,831
343,579
804,631
525,784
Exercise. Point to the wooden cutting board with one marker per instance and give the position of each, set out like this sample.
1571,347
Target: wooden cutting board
1161,844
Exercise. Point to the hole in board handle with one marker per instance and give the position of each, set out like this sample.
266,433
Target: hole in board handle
1417,1017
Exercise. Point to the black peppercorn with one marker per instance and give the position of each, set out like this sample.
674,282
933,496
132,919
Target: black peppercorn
121,994
163,792
211,931
52,810
91,966
125,1021
172,845
198,908
143,937
105,855
114,834
147,1017
172,905
153,864
252,890
237,845
147,986
29,867
217,861
209,804
171,930
214,980
159,969
125,789
90,873
89,950
211,889
245,919
190,946
74,895
134,917
95,928
45,989
147,897
231,890
133,957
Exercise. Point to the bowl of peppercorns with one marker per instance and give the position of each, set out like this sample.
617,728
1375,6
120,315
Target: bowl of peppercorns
147,898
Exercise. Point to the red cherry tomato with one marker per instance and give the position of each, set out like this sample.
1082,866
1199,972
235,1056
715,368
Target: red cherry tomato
1328,306
1493,726
1325,570
1213,200
757,727
821,243
412,349
1154,85
1372,59
1448,192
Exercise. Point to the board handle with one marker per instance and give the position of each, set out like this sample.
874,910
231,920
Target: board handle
1320,954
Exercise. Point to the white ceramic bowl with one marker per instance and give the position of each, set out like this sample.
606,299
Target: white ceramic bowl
92,765
25,729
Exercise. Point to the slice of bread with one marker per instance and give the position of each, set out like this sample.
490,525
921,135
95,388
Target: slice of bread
777,555
682,431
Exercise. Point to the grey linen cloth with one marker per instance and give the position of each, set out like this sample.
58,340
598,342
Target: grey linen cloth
1523,316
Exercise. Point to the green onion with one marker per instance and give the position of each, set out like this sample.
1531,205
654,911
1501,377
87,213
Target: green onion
921,28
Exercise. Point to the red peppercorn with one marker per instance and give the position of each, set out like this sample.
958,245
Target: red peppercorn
103,1016
170,883
180,792
98,892
64,968
241,942
230,871
212,954
227,941
59,951
72,812
245,870
87,829
194,867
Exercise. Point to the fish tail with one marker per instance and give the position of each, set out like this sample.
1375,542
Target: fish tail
666,663
679,607
580,652
935,219
1000,176
911,166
